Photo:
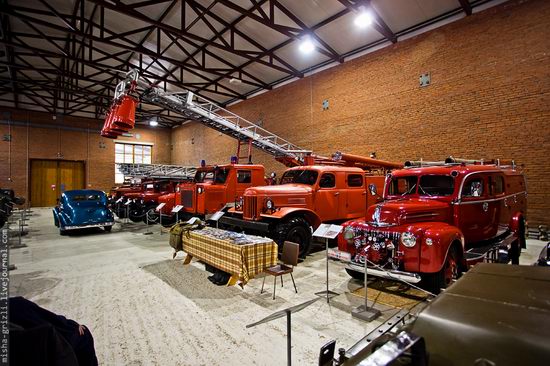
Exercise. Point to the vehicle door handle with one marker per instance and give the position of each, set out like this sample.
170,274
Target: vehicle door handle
337,193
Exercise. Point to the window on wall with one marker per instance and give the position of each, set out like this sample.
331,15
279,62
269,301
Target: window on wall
130,153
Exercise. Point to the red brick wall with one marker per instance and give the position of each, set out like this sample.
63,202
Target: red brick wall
45,143
489,98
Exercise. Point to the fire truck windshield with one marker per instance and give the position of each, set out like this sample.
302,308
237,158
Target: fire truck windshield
215,175
426,185
308,177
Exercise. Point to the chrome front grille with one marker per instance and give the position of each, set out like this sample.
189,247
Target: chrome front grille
378,246
187,198
250,207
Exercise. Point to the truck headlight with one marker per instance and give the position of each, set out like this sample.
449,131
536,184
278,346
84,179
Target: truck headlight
408,239
429,241
269,204
349,234
239,201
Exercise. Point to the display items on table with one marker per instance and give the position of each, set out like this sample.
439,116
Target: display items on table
232,237
81,209
242,256
437,219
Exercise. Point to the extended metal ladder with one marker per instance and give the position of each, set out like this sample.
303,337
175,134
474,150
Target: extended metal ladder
157,171
197,108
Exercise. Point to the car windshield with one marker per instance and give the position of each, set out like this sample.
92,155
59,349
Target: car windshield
86,197
308,177
427,185
216,175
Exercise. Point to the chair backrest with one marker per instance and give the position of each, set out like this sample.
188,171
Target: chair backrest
326,354
290,253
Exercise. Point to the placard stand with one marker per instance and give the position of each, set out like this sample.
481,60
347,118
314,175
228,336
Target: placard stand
177,210
127,219
279,314
363,312
216,217
159,209
148,232
327,231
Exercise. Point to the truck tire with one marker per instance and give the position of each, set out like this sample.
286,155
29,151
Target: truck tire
107,228
135,214
296,230
62,232
359,276
450,271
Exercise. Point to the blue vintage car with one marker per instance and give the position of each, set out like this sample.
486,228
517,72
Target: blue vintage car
82,208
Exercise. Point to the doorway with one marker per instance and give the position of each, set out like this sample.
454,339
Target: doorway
50,178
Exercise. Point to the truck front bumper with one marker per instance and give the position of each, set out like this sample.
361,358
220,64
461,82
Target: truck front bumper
390,274
258,226
76,227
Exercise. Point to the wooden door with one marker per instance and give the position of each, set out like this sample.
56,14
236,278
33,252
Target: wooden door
43,183
50,178
70,175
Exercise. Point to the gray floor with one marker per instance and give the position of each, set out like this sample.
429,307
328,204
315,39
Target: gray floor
146,309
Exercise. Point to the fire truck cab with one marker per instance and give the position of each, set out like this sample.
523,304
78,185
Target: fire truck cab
306,197
215,186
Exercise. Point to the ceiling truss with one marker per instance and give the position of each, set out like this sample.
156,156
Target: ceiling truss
68,61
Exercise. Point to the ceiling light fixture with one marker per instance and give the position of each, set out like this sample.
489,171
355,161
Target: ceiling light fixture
307,46
363,19
153,122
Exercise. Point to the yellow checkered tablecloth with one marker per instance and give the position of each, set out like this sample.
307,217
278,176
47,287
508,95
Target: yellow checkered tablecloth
242,260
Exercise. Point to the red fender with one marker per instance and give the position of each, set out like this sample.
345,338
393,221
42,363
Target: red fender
432,257
313,219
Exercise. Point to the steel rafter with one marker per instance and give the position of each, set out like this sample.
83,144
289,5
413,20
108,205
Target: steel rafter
66,60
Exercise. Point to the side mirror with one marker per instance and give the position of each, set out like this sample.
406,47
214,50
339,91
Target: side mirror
372,189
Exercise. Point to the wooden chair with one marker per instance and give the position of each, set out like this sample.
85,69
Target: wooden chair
289,259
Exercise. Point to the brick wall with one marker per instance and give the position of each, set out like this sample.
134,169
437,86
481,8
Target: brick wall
68,138
489,98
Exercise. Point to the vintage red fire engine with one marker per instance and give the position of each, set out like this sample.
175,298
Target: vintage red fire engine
436,220
211,190
327,191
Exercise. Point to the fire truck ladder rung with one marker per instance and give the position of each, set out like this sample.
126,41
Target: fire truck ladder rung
156,171
212,115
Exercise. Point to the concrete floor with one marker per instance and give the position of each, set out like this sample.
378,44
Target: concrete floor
144,308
